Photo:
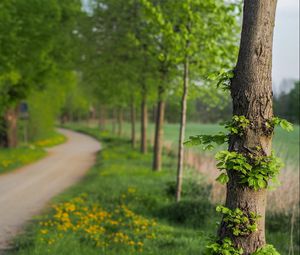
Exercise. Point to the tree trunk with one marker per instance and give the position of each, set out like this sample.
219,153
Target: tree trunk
154,110
114,121
133,120
3,133
144,122
251,91
9,136
182,130
102,117
158,139
120,122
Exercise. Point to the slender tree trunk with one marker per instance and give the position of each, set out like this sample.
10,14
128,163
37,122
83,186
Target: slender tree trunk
251,91
144,122
133,120
158,139
102,117
114,121
154,111
182,130
3,133
120,122
10,128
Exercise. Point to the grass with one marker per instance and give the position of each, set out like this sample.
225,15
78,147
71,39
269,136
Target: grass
16,157
122,207
285,144
51,140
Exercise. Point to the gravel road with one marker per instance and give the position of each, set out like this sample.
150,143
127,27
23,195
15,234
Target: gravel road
26,191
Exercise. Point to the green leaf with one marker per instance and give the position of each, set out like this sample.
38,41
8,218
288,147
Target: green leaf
286,125
212,77
223,178
261,183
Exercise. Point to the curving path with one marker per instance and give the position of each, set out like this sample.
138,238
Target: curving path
26,191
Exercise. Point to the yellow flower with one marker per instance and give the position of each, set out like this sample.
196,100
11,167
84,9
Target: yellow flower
132,243
44,231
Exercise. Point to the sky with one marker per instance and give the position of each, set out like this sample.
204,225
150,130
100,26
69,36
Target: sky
286,42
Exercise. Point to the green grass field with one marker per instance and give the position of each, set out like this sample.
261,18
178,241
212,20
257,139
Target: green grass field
16,157
285,144
123,208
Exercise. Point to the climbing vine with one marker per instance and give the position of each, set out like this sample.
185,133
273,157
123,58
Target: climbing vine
240,223
223,247
255,170
266,250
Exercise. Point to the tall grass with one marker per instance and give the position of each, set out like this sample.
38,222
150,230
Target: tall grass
285,144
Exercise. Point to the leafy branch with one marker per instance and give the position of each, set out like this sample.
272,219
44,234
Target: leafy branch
207,140
223,78
284,124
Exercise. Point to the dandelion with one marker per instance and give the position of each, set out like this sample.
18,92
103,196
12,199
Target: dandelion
44,231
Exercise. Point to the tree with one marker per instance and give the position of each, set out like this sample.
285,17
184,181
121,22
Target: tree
294,104
251,91
201,38
30,32
160,46
248,167
29,40
286,105
111,60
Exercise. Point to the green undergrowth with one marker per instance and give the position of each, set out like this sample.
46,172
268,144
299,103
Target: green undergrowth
51,140
16,157
286,145
121,208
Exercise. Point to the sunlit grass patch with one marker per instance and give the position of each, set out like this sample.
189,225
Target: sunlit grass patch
54,139
17,157
13,158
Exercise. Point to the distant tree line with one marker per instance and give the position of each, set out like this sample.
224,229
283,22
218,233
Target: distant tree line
286,104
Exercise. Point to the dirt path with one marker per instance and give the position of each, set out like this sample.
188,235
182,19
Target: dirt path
24,192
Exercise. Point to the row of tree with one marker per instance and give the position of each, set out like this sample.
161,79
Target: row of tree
139,52
37,50
287,105
149,50
129,55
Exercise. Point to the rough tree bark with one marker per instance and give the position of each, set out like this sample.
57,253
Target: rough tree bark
144,121
251,91
158,139
182,130
133,120
9,128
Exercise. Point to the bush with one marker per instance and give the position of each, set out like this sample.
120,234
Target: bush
191,189
194,214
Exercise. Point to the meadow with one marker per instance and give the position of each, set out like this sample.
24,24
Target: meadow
13,158
285,145
122,207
